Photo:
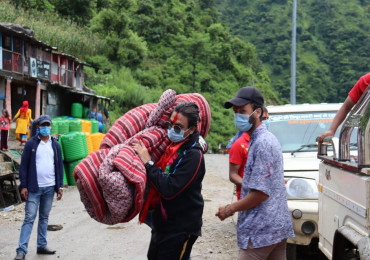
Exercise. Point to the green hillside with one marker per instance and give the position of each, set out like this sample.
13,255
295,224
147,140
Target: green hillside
139,48
333,43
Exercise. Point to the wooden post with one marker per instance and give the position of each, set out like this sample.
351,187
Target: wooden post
8,96
38,99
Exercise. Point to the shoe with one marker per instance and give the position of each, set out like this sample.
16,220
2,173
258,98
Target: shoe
45,251
54,227
20,256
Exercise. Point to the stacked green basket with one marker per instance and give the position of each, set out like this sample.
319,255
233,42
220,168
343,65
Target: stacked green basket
83,135
63,126
65,180
94,126
85,112
75,125
74,146
70,168
54,127
74,150
77,110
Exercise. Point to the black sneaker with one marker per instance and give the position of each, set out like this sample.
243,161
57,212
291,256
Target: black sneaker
20,256
45,251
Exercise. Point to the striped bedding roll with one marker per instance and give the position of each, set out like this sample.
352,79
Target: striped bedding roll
112,180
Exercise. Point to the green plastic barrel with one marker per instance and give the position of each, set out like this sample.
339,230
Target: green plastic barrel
74,146
85,112
63,126
94,126
61,147
83,135
70,168
59,118
54,127
65,179
76,110
84,142
75,125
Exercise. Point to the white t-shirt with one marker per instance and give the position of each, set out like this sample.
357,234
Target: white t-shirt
45,164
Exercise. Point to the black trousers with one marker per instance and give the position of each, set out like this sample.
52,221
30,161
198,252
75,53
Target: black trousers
171,246
4,139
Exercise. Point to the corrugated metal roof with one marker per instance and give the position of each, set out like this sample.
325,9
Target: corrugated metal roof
28,33
23,32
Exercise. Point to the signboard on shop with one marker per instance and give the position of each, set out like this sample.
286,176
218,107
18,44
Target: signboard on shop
43,69
33,67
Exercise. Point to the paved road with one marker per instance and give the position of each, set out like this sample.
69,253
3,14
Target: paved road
84,238
81,236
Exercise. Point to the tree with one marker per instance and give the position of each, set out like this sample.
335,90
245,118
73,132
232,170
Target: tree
80,11
193,50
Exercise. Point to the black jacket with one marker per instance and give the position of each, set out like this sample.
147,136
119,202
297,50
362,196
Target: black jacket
180,190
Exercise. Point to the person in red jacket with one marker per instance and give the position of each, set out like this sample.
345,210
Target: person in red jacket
353,96
238,156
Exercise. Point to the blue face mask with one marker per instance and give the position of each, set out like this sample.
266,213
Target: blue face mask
242,121
176,137
45,130
266,123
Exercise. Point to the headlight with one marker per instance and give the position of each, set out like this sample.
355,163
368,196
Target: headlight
299,188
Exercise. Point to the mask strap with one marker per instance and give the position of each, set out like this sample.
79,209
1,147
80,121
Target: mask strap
188,134
254,118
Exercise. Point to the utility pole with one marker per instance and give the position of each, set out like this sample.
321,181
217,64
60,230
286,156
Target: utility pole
294,50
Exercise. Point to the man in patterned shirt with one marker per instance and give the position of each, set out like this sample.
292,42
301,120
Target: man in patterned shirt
264,222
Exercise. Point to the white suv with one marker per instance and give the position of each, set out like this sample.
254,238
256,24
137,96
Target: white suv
297,127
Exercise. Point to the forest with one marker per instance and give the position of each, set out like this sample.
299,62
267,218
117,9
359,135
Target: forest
139,48
333,43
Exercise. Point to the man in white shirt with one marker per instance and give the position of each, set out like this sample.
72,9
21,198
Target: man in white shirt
41,174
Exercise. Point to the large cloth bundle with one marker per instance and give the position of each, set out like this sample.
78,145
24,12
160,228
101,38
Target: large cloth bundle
112,180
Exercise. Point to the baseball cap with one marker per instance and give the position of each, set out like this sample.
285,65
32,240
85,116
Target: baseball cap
43,118
245,96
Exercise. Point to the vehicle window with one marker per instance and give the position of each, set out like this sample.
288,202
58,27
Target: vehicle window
297,129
